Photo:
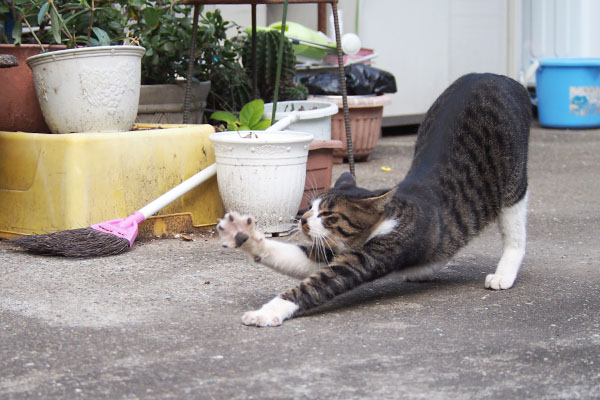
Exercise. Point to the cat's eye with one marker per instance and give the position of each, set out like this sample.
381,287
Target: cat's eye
325,214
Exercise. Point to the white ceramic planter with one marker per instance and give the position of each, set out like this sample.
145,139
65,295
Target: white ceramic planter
89,89
315,116
262,176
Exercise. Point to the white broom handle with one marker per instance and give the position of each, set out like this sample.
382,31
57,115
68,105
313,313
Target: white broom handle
179,190
202,176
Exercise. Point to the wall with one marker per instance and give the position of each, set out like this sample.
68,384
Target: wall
241,14
429,43
426,44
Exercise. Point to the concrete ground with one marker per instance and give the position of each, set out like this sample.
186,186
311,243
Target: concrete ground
163,320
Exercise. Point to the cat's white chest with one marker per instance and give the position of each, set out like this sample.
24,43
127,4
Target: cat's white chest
385,227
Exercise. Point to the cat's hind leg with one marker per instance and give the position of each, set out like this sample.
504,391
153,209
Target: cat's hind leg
420,273
512,222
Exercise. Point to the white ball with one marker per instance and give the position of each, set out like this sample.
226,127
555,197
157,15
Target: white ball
351,43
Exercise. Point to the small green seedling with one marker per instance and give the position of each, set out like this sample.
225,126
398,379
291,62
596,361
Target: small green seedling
250,118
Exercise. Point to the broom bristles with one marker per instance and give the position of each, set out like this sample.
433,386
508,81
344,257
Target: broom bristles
83,242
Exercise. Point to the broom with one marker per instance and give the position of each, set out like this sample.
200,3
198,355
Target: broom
117,236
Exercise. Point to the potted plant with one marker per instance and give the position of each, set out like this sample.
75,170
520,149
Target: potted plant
228,65
219,61
259,172
314,117
164,29
20,108
367,95
251,117
88,89
366,114
69,173
81,89
267,46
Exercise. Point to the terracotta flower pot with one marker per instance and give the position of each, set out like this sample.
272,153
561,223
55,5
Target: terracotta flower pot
18,102
318,169
366,113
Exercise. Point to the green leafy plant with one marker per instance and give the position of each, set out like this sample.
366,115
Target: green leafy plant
219,61
250,117
166,31
71,22
162,27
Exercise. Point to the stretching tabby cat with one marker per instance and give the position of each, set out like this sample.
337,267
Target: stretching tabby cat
469,169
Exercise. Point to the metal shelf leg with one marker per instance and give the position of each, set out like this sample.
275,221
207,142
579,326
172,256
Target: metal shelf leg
190,71
342,76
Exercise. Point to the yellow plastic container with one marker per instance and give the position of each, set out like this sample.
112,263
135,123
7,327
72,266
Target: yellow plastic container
50,183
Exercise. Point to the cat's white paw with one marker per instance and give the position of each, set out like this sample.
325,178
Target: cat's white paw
271,314
236,230
260,318
498,282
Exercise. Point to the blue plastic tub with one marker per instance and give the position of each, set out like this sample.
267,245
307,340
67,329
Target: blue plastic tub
568,92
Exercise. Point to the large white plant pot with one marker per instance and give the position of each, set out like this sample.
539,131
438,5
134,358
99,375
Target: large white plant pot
262,176
89,89
315,116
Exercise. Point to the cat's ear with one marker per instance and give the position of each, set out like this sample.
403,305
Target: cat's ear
378,203
345,180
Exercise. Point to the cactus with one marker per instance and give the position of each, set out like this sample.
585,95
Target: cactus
296,92
230,90
267,45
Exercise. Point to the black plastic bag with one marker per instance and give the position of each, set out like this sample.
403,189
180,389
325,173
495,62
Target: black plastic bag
360,80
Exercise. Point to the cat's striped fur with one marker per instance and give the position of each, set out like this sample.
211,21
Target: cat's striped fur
469,169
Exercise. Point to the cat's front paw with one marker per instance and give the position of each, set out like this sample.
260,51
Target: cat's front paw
260,318
271,314
498,282
237,230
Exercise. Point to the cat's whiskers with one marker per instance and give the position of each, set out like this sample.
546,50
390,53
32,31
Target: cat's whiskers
326,241
321,245
312,188
295,227
325,260
314,248
322,250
